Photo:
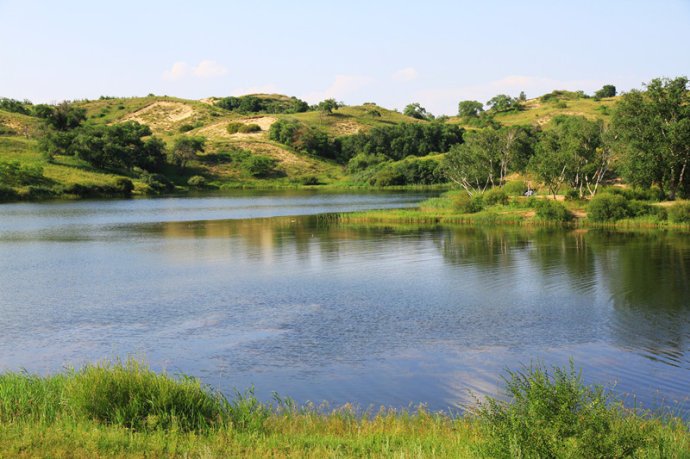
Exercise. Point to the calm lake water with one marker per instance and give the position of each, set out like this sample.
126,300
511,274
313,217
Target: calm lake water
319,311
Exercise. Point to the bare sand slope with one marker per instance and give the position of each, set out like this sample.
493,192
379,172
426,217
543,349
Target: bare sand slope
161,115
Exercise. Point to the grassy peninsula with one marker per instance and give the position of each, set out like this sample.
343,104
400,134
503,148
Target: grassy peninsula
125,409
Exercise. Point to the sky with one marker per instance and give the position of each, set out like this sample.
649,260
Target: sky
388,52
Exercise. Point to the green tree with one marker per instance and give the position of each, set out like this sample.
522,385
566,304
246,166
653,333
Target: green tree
573,152
415,110
470,108
120,145
327,106
652,128
62,117
185,149
474,164
608,90
503,103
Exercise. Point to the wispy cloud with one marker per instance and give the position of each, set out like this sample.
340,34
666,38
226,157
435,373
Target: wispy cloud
177,71
406,74
209,69
204,69
342,86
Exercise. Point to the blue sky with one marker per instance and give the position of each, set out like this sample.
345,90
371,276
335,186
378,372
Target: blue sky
433,52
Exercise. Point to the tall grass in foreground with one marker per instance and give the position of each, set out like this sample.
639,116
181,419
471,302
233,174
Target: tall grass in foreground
124,409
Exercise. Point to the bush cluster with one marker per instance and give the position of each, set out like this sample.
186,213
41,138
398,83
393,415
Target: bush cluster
253,104
494,196
407,172
243,128
554,414
679,213
515,188
467,204
13,173
547,209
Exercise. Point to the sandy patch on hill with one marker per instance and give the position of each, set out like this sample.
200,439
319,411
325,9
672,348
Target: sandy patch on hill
219,130
268,149
264,122
346,128
161,115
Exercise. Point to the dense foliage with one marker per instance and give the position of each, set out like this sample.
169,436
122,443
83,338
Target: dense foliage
487,156
572,152
470,108
402,140
415,110
652,129
15,106
552,413
256,104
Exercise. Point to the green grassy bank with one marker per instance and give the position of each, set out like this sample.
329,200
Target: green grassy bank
127,410
609,209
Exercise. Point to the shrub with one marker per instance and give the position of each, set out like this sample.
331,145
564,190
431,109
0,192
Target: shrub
362,161
13,173
7,194
310,180
260,166
637,208
643,194
495,196
248,128
388,176
608,207
132,395
236,127
553,414
186,128
515,188
39,192
468,204
121,187
553,211
158,183
679,212
124,186
196,181
572,194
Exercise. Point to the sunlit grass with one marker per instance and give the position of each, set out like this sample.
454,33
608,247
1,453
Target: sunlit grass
124,409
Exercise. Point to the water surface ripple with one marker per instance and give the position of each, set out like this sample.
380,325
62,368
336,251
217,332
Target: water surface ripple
322,311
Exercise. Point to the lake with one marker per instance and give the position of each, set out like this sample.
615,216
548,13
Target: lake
320,311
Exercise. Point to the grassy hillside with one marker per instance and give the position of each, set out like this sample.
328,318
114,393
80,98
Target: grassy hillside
223,163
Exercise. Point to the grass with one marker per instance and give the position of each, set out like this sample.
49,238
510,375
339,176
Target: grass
124,409
539,211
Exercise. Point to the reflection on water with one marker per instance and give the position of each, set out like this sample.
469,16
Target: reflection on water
321,311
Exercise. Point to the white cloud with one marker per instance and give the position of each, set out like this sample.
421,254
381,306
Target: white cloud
177,71
406,74
342,86
209,69
204,69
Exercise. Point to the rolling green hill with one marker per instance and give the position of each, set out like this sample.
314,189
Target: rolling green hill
220,164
